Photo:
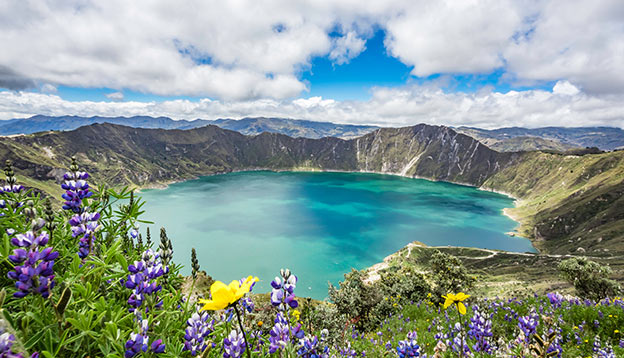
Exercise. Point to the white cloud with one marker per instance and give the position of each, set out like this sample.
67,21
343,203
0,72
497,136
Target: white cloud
565,87
453,36
115,96
388,107
576,40
249,50
347,47
48,88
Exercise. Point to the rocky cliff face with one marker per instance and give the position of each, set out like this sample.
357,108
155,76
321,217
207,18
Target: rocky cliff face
142,156
433,152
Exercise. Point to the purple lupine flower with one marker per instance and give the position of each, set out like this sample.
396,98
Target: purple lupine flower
139,342
233,345
348,351
279,335
409,347
297,331
34,264
76,188
555,346
157,346
481,330
143,278
528,325
309,347
144,285
256,336
283,293
15,188
248,304
6,343
602,352
198,328
84,226
555,299
135,345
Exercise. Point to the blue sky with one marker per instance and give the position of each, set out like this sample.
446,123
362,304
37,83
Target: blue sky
353,80
488,63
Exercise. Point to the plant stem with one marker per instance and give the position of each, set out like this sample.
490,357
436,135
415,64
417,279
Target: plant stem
461,331
240,324
189,296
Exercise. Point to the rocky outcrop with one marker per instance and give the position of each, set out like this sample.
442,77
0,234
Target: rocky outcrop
123,155
433,152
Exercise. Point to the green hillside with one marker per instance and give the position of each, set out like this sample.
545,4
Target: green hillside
568,204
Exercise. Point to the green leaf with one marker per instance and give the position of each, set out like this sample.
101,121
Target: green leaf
34,339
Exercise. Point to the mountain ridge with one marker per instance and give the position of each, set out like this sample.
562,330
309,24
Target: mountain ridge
551,213
247,125
508,139
605,138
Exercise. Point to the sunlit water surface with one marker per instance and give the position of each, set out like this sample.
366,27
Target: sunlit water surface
320,225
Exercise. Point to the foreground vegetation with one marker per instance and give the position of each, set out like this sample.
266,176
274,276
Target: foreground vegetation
83,281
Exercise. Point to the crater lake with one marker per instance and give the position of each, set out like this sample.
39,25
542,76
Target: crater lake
319,224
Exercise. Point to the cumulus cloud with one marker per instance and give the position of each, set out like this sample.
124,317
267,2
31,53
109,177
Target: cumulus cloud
347,47
387,107
248,50
453,36
48,88
576,40
115,96
565,87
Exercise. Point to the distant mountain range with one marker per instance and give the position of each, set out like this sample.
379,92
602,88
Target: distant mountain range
570,203
512,139
553,138
291,127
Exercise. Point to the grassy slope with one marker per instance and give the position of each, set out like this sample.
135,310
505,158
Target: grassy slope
568,202
529,143
499,273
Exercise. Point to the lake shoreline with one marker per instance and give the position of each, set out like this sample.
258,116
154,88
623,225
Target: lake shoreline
505,211
400,210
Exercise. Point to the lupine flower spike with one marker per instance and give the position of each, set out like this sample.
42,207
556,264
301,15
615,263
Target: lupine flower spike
84,223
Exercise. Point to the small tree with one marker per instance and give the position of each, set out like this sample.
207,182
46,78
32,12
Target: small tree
355,299
590,279
449,274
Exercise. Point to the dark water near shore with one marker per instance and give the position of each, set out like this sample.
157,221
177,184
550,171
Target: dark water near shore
320,225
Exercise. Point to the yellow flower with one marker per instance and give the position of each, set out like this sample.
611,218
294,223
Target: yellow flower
224,295
457,300
616,331
260,323
296,314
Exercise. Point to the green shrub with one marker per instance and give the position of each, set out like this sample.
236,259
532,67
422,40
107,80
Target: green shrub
355,299
590,279
449,275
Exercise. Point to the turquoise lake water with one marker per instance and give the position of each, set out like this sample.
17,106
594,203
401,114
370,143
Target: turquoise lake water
319,225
